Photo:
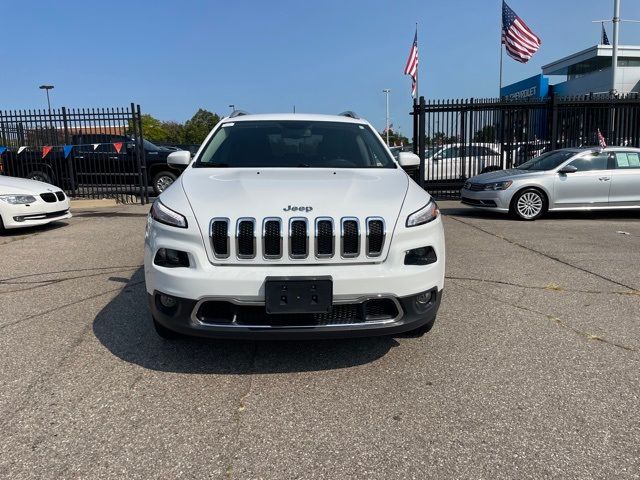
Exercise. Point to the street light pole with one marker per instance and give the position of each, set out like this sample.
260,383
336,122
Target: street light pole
614,54
386,93
47,88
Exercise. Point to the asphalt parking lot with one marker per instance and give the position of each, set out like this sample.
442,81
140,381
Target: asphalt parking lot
532,369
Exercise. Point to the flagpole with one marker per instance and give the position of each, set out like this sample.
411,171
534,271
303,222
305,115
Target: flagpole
418,65
501,52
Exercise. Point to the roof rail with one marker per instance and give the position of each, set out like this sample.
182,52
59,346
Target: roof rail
238,113
350,114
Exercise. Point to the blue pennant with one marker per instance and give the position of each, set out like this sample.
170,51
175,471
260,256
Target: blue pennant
2,150
67,150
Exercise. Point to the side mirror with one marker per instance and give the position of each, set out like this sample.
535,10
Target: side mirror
179,158
568,169
408,159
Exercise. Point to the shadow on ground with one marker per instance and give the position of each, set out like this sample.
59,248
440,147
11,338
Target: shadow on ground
25,231
124,327
607,215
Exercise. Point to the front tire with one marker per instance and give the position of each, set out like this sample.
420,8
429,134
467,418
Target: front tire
40,177
162,181
529,204
164,332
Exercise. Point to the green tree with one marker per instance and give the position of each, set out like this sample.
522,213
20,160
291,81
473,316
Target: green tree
153,129
199,126
175,132
485,134
395,138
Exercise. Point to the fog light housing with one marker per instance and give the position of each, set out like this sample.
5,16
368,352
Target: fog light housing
167,301
169,258
423,301
420,256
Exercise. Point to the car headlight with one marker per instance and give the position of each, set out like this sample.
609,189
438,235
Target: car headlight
426,214
18,199
163,214
498,185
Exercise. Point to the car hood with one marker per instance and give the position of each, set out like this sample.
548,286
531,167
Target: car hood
261,193
23,186
502,175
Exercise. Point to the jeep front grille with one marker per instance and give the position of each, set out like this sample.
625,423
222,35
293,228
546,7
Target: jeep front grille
300,238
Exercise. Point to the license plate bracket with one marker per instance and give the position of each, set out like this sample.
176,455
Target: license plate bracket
298,294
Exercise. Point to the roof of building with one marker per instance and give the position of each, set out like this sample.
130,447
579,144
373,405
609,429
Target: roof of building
561,66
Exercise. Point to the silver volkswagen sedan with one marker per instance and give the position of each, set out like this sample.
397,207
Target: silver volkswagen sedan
567,179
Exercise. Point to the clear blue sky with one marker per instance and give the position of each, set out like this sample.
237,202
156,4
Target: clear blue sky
265,56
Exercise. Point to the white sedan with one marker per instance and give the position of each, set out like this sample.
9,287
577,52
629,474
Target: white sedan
25,203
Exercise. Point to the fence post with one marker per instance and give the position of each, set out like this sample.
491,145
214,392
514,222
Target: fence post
70,169
503,120
553,102
415,125
421,140
463,136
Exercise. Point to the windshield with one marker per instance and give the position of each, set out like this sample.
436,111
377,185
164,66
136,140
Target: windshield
291,144
150,146
547,161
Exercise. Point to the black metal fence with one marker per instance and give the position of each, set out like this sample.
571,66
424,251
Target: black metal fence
457,139
88,152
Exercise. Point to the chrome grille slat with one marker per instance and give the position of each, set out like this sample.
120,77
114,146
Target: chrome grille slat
350,237
298,237
246,238
219,234
272,238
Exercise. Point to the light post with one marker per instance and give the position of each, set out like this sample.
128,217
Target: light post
47,88
614,50
386,93
232,107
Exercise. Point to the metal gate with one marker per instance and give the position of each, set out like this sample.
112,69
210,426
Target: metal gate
457,139
88,152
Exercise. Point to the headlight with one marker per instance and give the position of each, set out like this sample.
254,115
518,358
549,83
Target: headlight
426,214
161,213
498,185
18,199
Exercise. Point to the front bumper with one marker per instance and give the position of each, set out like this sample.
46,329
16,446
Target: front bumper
183,319
492,200
37,213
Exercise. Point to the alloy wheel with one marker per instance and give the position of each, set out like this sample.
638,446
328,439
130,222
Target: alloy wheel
529,205
163,182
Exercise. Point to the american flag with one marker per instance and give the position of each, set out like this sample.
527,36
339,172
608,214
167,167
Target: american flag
520,42
604,40
412,65
601,140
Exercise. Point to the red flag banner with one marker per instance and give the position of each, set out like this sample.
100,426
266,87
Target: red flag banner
117,146
46,150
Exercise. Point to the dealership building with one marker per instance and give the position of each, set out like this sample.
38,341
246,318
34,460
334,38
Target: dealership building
582,73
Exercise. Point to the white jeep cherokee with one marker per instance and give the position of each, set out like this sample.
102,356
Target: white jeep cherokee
293,226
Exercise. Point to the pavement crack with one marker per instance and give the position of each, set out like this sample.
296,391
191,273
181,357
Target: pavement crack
558,321
546,255
70,304
240,408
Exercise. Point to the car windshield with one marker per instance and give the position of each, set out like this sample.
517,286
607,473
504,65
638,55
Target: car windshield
150,147
547,161
292,144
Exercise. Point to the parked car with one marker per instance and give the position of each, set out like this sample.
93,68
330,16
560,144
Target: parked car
294,226
566,179
26,203
458,160
102,165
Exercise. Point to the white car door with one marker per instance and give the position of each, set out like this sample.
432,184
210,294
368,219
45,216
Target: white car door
625,181
588,186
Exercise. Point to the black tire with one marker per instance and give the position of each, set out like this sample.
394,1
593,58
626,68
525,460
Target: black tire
40,176
164,332
528,204
162,180
420,331
1,225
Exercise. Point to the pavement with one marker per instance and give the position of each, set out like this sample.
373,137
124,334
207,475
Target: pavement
531,371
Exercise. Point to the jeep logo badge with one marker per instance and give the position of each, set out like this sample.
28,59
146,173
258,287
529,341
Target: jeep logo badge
297,209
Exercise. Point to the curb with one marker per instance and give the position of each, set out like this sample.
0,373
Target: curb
93,203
